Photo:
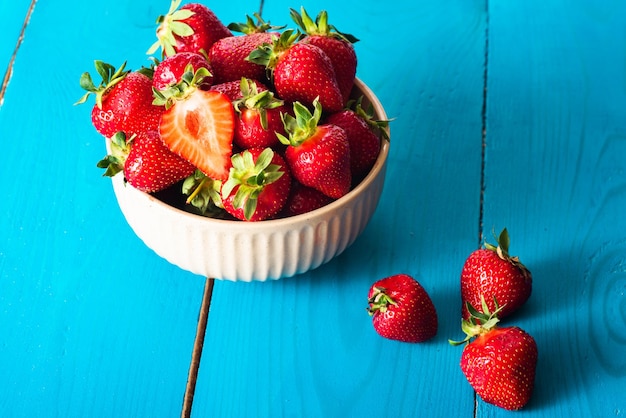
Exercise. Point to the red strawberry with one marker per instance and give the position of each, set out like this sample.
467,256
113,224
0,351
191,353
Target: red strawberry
123,101
499,363
492,273
258,185
148,165
304,199
151,166
192,28
402,309
228,56
199,125
338,46
363,135
170,71
258,117
318,155
232,89
301,72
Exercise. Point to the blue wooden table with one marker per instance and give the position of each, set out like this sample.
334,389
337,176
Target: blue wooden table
508,113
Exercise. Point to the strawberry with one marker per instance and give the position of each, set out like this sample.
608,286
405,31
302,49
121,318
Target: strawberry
148,165
300,72
192,28
257,186
229,55
170,71
258,117
363,135
303,199
500,363
198,125
490,272
123,101
318,155
232,89
402,309
338,46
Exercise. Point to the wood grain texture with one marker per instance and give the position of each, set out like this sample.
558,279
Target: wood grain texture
556,142
305,346
92,323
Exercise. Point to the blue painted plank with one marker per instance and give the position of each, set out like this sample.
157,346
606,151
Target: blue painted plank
556,141
305,346
92,323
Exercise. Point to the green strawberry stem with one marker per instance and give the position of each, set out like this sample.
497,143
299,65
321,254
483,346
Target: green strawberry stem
169,25
253,99
189,82
379,301
110,77
379,126
502,249
250,26
113,163
268,55
320,26
479,322
303,125
251,177
203,192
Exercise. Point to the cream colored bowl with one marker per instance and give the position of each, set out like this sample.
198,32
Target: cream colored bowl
246,251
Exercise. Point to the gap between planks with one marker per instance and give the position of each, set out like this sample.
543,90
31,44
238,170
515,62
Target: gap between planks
9,70
196,353
483,148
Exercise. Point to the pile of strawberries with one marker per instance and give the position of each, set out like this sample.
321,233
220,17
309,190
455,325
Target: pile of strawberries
251,126
498,362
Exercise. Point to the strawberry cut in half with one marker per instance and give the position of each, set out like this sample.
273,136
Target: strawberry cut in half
200,128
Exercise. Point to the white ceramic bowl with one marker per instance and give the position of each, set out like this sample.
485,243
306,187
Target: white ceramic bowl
246,251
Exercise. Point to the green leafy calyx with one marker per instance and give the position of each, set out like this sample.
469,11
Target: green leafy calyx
379,301
250,26
502,249
479,322
259,101
171,25
188,83
203,193
250,177
319,26
113,163
268,54
303,125
109,76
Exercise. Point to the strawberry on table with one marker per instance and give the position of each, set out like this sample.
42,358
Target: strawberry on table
170,71
300,71
123,100
198,125
258,117
490,272
402,309
364,135
338,46
499,363
192,28
257,186
318,154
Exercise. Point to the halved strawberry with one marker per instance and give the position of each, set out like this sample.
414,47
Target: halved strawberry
198,125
